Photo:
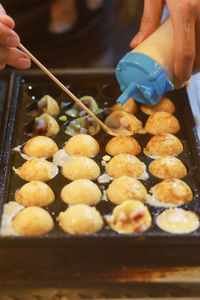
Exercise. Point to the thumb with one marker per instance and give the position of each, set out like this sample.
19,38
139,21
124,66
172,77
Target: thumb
151,18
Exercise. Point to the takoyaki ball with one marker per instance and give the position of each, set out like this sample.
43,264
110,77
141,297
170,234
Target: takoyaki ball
123,144
48,105
40,146
165,104
126,188
123,123
35,193
37,169
167,167
32,221
172,191
82,144
80,219
178,221
129,106
89,102
45,125
162,122
163,144
125,164
81,191
130,217
81,167
86,125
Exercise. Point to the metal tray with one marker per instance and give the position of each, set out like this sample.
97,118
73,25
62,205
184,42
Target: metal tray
28,86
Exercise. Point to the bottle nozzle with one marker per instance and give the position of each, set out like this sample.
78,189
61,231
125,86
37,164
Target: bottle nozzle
127,93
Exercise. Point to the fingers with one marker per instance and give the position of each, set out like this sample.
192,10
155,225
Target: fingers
152,14
14,58
183,15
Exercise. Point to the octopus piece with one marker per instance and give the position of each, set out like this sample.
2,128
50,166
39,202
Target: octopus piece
80,219
40,146
32,221
82,145
126,188
130,217
126,164
167,167
165,104
163,144
123,144
81,167
35,193
45,125
37,169
162,122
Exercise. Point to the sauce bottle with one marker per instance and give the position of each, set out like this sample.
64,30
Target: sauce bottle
146,73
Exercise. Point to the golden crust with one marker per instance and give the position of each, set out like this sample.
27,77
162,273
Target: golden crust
81,167
40,146
32,221
123,144
126,188
83,145
129,106
162,122
165,104
167,167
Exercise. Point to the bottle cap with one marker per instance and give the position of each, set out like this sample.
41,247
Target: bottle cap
142,78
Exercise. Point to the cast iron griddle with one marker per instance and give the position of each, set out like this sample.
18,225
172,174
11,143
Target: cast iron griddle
28,87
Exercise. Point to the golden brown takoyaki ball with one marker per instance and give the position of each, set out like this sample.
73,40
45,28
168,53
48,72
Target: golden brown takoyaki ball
163,144
46,125
35,193
37,169
126,188
177,220
130,217
162,122
167,167
82,144
81,191
165,104
125,164
32,221
120,121
80,219
129,106
40,146
123,144
49,105
172,191
81,167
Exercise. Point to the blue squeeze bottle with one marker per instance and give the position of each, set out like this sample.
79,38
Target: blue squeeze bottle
146,73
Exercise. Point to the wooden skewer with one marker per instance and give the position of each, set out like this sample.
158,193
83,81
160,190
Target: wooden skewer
66,90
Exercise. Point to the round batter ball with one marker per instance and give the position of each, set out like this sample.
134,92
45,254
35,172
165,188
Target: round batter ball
123,144
35,193
32,221
165,104
172,191
37,169
130,217
81,191
129,106
178,221
167,167
125,164
81,167
126,188
162,122
163,144
40,146
48,105
82,144
46,125
80,219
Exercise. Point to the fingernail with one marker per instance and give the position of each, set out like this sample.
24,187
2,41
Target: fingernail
137,39
23,63
12,41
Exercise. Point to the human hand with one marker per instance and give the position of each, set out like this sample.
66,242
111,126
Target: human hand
185,18
9,40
